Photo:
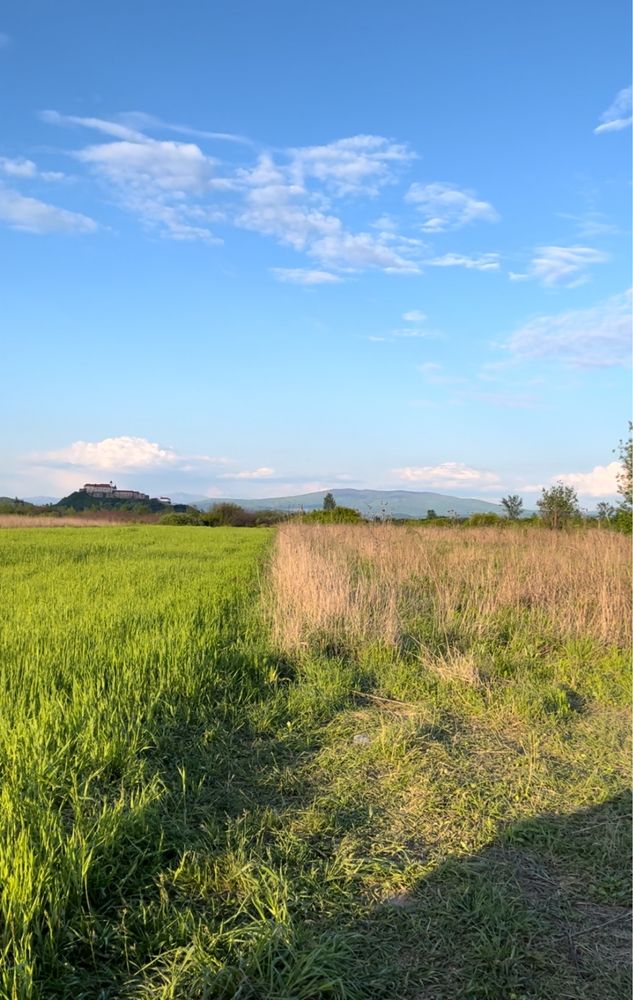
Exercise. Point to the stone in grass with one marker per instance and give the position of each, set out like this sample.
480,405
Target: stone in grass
361,739
401,901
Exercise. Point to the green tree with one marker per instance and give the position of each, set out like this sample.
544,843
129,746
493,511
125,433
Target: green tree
431,515
329,503
513,506
605,511
625,476
558,505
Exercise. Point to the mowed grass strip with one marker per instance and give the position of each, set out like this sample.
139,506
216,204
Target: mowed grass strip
355,763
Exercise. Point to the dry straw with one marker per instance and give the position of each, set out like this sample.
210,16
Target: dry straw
368,583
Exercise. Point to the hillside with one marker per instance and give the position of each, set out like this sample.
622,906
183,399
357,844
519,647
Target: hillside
84,501
372,503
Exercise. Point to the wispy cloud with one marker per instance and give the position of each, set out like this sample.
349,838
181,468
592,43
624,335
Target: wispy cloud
447,475
30,215
262,473
141,120
445,206
591,224
22,169
297,196
484,262
568,266
598,337
305,276
618,114
277,204
361,164
414,316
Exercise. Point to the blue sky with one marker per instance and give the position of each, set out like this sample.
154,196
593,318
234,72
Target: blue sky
254,248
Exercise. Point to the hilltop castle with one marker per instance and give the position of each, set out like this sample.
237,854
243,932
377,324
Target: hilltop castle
108,491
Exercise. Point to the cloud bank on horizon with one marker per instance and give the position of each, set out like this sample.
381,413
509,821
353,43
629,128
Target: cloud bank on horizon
137,461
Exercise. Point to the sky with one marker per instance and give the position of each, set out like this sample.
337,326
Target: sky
261,247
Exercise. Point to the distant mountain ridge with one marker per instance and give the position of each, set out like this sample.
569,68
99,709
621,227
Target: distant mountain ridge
370,503
41,501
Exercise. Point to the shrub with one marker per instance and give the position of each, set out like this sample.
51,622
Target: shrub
340,515
488,517
180,519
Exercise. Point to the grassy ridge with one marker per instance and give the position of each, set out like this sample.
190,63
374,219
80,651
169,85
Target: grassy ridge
393,774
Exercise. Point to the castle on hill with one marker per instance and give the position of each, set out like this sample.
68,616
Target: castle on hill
109,491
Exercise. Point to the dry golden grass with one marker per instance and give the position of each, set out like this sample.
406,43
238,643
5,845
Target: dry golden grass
356,584
44,521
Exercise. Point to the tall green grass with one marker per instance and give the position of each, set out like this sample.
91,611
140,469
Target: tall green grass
369,769
118,648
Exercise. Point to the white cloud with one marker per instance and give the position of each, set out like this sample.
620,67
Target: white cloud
262,473
24,169
289,194
445,206
618,115
276,207
112,454
33,216
157,180
446,475
114,129
600,482
304,276
484,262
358,164
141,120
166,165
358,251
597,337
414,316
18,167
117,454
567,266
429,366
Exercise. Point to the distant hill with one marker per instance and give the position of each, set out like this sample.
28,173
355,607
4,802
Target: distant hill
41,501
192,499
371,503
84,501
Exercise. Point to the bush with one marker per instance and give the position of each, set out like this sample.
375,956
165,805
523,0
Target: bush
180,519
622,521
485,518
340,515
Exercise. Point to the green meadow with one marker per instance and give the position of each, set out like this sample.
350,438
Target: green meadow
218,780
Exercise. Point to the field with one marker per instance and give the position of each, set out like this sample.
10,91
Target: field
319,762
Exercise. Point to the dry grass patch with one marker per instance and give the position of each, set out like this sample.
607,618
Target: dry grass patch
338,587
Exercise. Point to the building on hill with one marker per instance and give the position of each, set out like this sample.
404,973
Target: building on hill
109,491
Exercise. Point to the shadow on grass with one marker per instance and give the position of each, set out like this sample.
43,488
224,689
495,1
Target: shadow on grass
213,891
542,912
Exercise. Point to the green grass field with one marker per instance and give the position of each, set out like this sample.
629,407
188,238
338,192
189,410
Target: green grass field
193,806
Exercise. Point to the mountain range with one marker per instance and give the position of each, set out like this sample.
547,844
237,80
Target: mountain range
370,503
